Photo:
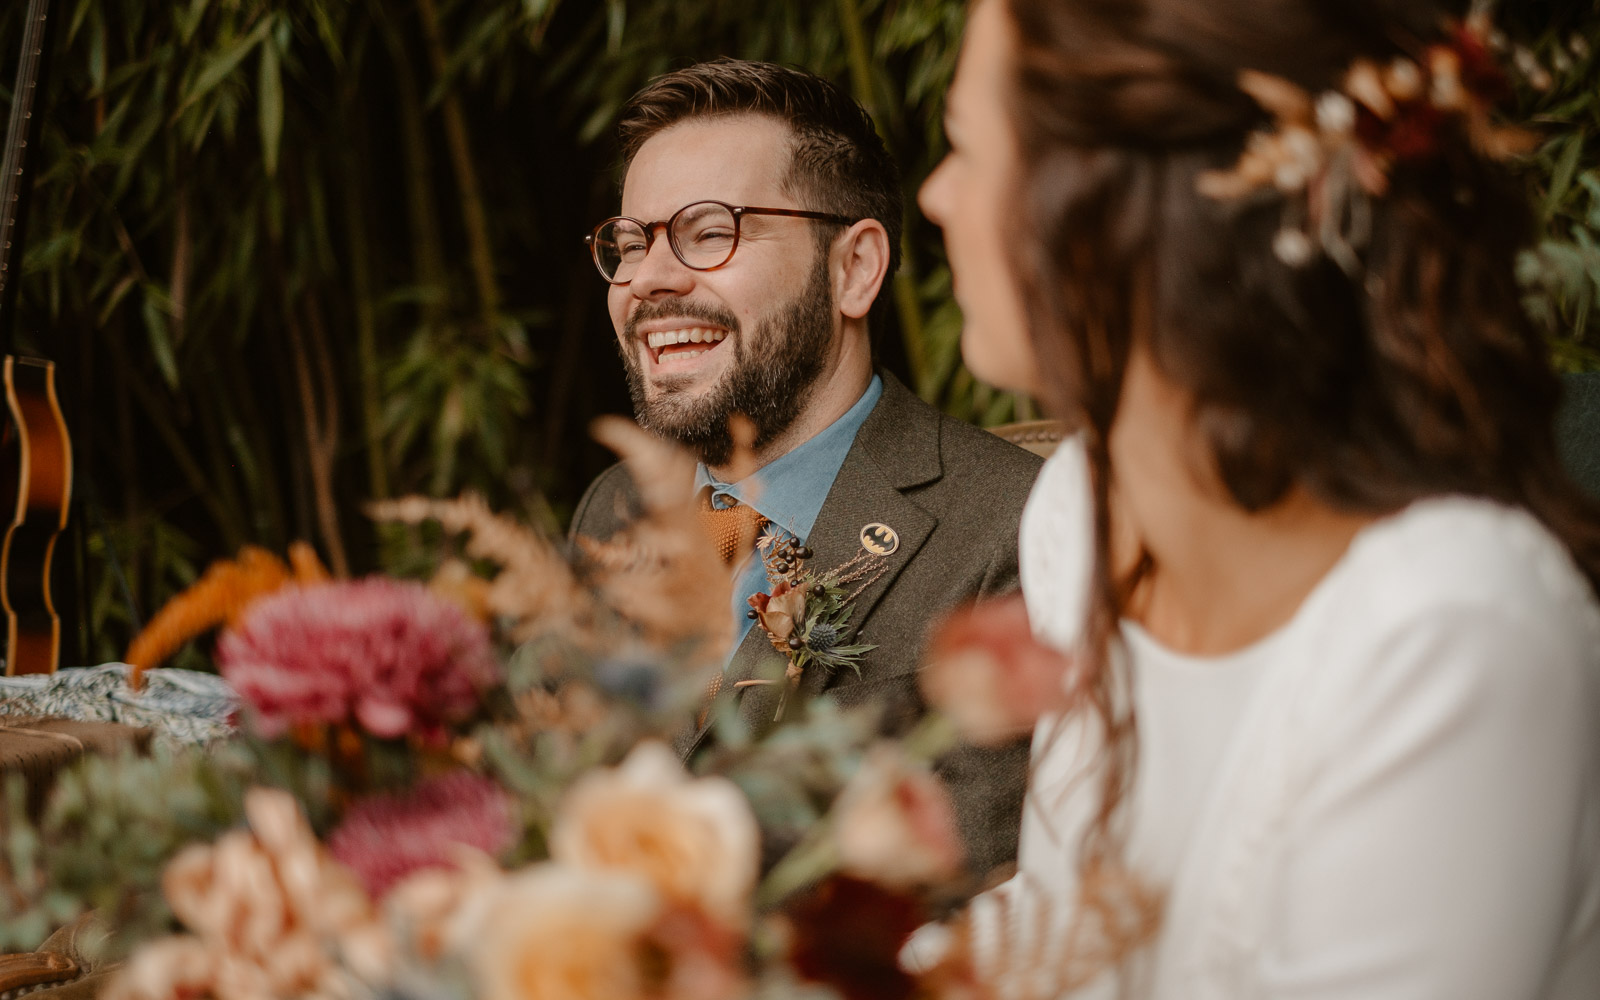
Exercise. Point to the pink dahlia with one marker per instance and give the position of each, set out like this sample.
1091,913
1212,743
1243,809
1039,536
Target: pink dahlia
389,655
387,837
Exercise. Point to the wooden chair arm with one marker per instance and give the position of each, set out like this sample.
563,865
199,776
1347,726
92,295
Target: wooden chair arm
35,969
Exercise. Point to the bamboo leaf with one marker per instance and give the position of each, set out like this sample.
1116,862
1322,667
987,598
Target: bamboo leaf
118,293
187,26
159,334
269,113
78,16
1566,169
97,55
616,21
222,64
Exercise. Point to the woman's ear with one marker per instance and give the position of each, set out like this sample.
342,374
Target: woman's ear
860,267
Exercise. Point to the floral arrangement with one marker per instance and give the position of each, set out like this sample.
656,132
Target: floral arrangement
806,614
464,788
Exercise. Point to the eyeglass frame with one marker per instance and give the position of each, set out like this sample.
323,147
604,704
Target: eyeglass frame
737,211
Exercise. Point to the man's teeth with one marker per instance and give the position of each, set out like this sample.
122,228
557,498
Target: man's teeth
689,335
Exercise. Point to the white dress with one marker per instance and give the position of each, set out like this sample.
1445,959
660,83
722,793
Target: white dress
1395,796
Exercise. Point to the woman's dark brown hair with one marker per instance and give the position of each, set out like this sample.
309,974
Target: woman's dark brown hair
1414,375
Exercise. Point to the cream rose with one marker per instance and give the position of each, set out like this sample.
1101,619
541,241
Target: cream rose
694,839
554,932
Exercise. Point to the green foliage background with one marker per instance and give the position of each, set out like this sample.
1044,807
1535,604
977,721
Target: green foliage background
293,254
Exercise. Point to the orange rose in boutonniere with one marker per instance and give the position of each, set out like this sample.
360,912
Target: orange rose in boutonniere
780,613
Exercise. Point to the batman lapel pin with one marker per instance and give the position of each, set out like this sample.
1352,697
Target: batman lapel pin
880,539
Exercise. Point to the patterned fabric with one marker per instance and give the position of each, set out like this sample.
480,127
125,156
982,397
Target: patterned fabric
179,706
732,529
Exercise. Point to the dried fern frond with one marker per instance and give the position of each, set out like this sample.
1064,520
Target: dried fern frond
662,572
535,589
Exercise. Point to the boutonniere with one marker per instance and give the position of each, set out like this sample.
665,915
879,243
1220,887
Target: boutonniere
806,614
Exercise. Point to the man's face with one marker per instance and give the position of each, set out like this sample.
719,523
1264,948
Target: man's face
752,336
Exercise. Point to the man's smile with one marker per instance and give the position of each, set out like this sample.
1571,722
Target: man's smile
676,348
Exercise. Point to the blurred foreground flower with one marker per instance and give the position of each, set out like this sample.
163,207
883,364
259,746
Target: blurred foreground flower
894,823
661,572
220,597
551,932
693,839
990,676
848,933
385,838
271,915
388,655
533,591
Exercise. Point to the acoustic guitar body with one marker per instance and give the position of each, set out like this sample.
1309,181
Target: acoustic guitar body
36,467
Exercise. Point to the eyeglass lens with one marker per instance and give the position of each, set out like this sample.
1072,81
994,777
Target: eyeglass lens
703,236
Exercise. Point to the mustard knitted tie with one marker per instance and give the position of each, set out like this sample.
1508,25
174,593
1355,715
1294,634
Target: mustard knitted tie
733,531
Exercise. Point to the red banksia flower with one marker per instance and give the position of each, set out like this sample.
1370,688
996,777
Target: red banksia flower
988,673
385,838
387,655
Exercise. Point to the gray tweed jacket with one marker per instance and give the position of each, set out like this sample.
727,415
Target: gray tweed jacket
953,494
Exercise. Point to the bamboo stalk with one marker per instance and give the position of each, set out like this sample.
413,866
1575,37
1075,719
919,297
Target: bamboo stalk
427,254
179,292
217,453
473,219
242,395
907,302
314,367
155,411
366,326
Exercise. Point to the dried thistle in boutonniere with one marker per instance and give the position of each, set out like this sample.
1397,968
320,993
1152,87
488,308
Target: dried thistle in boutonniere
806,614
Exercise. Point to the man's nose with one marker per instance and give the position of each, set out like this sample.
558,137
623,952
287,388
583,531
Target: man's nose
661,272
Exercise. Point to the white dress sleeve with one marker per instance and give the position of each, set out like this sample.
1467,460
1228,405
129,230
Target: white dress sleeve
1444,842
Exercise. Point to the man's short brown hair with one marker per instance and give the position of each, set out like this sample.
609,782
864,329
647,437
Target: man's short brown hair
838,162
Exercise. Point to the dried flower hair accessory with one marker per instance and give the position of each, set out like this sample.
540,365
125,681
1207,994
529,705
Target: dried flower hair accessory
1329,155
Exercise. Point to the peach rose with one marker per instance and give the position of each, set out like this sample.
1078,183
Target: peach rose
894,823
164,969
271,915
990,676
554,932
430,906
694,839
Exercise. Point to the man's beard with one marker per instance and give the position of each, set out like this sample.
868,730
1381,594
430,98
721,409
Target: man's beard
770,378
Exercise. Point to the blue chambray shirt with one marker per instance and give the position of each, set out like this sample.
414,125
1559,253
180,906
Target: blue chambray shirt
789,492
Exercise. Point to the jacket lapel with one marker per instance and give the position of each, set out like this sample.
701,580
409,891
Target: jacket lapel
896,449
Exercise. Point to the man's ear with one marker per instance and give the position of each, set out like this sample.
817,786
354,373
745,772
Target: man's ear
860,266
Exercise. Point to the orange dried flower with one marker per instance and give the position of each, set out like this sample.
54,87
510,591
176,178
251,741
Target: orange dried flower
219,597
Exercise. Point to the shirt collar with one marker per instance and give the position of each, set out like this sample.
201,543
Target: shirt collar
789,491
